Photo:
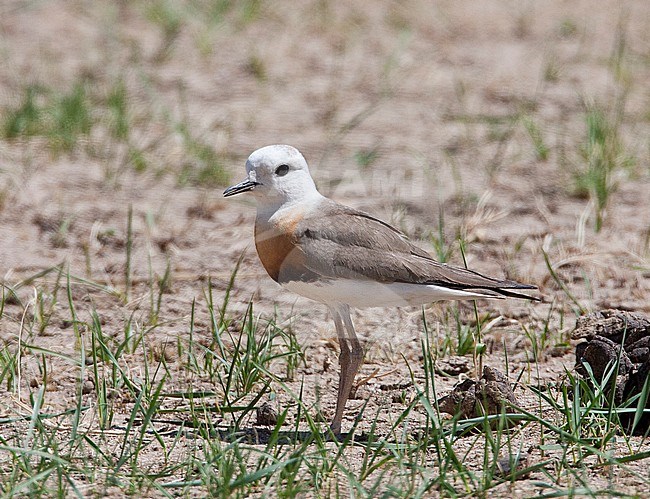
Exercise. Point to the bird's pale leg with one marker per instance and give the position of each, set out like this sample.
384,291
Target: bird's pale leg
350,360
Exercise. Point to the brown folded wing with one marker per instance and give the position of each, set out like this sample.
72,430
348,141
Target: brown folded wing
346,243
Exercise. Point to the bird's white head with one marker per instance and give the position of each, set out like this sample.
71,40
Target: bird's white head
277,175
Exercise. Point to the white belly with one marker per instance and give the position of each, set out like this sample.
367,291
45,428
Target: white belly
364,294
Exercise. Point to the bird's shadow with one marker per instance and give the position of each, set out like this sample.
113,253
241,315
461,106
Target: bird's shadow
257,435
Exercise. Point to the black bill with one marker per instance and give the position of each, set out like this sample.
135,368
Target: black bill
244,186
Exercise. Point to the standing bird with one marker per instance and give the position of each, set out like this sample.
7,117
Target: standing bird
345,258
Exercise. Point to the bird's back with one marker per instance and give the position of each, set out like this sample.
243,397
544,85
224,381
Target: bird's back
330,244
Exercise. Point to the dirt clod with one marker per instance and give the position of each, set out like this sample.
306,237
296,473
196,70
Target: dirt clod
514,464
489,395
266,415
452,365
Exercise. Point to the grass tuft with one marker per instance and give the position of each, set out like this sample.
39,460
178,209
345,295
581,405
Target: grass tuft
536,137
203,165
63,119
604,156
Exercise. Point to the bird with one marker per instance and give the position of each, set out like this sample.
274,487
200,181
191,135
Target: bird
343,257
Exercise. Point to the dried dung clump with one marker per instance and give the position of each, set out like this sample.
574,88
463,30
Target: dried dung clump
616,339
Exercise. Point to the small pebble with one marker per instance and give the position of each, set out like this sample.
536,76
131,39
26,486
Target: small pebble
88,387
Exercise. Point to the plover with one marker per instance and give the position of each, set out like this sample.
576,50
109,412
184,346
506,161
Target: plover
343,257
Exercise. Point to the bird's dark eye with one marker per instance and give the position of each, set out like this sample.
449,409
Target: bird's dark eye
282,170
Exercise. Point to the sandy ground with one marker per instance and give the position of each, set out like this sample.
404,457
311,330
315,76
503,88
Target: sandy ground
404,110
